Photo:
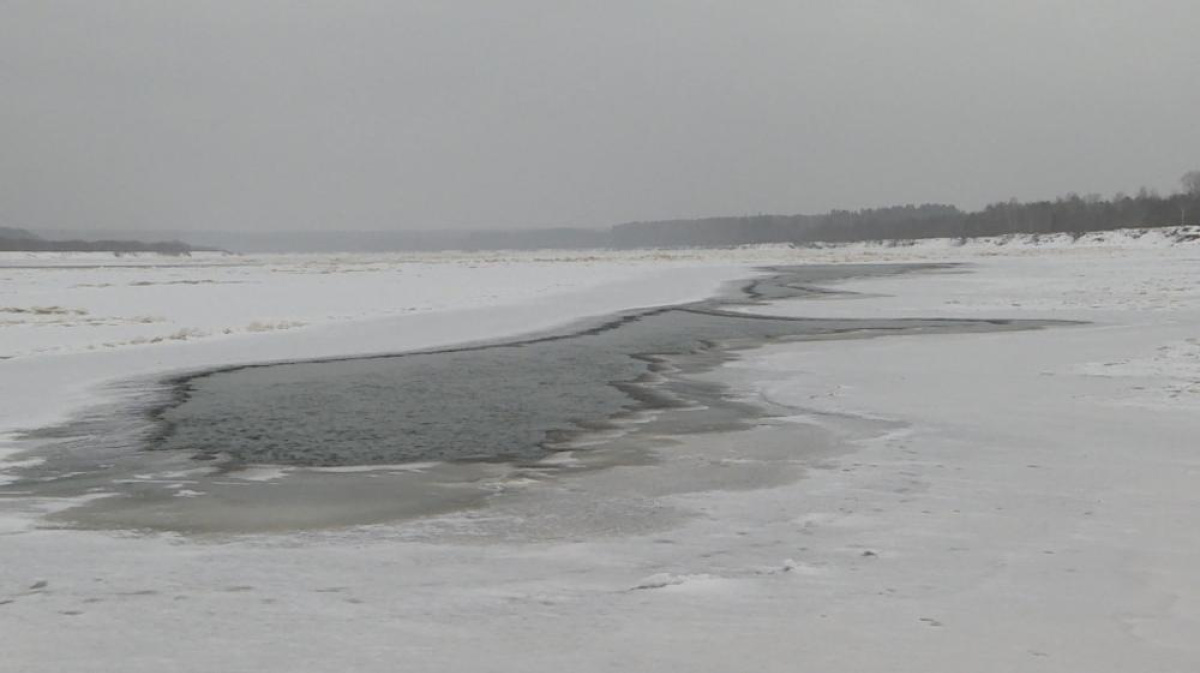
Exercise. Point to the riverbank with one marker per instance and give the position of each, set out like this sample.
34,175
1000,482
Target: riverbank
73,328
989,502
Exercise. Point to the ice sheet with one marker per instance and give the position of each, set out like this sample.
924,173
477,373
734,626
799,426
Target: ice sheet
941,503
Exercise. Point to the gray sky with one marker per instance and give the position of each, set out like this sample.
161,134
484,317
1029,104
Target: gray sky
258,115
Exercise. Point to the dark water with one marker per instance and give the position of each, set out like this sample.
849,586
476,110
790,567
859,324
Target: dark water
496,402
380,439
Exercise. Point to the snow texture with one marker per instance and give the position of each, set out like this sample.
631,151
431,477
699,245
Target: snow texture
1023,501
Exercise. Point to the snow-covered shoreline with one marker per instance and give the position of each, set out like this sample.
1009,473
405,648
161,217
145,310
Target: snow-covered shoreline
1035,507
984,502
74,329
102,317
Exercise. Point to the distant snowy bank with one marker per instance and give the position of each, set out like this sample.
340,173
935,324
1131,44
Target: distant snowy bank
748,253
1117,238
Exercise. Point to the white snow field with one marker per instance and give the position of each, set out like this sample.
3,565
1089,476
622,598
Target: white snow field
1020,501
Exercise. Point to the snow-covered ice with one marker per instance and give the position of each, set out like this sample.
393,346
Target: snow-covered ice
1021,501
72,323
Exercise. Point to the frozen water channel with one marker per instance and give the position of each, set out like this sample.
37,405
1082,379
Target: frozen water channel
375,438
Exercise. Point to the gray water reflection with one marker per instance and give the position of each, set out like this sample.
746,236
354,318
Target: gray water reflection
358,441
497,402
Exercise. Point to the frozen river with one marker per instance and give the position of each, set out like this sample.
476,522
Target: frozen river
1014,499
523,404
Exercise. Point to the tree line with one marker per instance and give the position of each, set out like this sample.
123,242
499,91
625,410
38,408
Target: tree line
20,240
1071,214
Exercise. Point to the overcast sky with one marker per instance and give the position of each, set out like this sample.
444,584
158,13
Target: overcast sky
257,115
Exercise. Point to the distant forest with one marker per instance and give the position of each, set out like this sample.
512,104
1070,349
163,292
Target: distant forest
20,240
1071,214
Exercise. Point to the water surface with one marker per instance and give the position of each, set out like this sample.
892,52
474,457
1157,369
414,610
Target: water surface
360,440
512,401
